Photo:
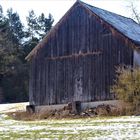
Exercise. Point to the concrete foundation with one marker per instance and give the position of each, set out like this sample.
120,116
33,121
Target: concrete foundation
84,105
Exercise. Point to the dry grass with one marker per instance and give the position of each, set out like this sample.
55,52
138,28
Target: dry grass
22,115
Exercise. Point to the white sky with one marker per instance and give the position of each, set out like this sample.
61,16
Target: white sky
59,7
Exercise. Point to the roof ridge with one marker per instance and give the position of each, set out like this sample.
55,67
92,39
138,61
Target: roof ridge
103,9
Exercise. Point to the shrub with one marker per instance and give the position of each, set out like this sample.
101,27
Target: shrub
127,86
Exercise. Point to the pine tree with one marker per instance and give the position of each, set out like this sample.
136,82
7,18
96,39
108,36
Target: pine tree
38,27
16,42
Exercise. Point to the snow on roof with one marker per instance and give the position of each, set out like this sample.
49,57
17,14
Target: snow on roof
126,26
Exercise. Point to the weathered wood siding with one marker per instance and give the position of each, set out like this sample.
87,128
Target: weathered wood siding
77,62
136,58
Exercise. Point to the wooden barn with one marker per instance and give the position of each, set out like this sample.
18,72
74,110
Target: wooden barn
77,59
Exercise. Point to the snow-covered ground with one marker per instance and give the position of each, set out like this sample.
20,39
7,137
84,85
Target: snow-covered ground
13,107
107,128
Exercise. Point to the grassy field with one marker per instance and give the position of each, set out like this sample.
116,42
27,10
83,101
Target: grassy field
113,128
121,128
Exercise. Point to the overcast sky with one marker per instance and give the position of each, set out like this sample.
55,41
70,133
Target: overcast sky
59,7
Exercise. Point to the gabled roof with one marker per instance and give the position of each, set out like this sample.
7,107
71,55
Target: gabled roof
124,26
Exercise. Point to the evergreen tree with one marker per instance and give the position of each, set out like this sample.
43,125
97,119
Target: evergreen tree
7,47
16,42
38,27
11,66
16,26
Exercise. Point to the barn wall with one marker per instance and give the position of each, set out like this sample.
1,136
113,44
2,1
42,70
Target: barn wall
78,62
136,58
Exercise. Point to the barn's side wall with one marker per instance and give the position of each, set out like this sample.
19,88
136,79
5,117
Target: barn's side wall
78,62
136,58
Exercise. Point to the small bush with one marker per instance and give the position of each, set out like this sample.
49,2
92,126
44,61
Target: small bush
127,87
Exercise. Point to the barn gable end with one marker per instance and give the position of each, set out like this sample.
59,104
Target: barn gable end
77,60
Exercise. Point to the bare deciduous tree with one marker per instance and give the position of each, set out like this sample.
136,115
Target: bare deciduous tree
135,12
